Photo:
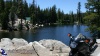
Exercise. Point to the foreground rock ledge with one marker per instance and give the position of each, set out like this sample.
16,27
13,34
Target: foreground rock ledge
20,47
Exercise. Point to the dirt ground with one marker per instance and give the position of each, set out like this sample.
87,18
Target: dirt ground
21,53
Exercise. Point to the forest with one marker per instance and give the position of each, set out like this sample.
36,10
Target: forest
38,15
50,15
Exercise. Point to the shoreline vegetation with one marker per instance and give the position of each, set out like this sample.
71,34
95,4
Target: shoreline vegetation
45,47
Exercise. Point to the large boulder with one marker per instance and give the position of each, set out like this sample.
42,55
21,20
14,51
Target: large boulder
34,48
6,44
57,47
25,49
19,42
9,44
41,50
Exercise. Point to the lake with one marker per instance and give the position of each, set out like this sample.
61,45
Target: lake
48,32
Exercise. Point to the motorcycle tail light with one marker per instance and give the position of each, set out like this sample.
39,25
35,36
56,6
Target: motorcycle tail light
87,41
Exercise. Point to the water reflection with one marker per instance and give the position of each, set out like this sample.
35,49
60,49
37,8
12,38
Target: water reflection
49,32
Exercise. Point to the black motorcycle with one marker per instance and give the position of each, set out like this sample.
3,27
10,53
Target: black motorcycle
85,47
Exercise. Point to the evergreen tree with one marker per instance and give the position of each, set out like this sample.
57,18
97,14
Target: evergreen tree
32,11
53,14
5,14
38,15
20,9
1,10
79,13
25,9
2,6
71,17
93,15
59,16
20,12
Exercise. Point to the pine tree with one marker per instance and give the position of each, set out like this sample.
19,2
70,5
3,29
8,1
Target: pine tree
79,13
53,14
93,9
1,10
2,6
20,11
93,15
26,11
5,13
33,12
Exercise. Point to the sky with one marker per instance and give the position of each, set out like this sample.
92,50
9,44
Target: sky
65,5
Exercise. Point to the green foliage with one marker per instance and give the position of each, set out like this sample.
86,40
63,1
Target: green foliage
71,16
3,20
79,19
93,11
38,15
20,9
91,18
1,5
1,10
25,9
93,15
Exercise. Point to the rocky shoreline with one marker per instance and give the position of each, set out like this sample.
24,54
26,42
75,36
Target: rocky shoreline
46,47
20,47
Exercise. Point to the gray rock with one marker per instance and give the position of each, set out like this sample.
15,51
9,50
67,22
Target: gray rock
98,41
26,49
57,47
41,50
19,42
35,48
6,44
9,44
96,52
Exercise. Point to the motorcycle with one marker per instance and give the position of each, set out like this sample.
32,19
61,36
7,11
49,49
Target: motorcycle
85,46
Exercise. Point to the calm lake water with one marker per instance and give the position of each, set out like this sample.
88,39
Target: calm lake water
48,32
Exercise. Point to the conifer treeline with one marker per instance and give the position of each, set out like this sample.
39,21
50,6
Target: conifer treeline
37,15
